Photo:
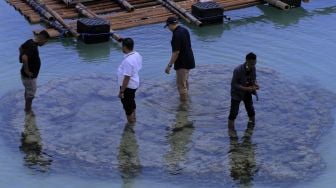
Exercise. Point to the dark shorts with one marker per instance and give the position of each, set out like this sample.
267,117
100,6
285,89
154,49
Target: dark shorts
128,101
248,102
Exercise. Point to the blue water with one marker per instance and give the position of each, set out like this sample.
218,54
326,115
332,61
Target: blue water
299,44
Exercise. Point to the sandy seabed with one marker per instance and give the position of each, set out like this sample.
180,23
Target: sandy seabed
79,128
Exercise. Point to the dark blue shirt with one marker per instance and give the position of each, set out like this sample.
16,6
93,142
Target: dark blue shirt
30,49
181,42
241,78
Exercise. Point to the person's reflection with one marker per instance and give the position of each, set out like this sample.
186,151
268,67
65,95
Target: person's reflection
242,156
179,139
129,162
31,145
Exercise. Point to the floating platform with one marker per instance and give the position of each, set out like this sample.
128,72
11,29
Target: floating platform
121,14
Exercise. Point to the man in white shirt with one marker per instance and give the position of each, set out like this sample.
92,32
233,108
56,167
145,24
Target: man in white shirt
128,78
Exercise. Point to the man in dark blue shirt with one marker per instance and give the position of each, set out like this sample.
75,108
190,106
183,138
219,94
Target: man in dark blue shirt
182,56
243,85
31,63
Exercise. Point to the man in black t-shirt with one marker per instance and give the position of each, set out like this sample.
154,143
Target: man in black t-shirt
31,63
182,56
243,86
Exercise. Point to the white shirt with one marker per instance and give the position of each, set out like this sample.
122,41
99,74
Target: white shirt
130,66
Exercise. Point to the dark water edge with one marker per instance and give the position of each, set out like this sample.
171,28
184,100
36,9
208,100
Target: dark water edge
80,126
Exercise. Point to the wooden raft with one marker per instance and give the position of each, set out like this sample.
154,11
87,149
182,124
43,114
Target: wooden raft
145,11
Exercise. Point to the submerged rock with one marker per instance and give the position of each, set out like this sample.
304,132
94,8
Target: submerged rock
82,125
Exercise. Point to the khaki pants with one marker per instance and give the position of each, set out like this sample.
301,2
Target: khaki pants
30,87
182,76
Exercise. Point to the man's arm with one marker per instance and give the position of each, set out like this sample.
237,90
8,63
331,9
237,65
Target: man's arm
25,66
124,86
173,58
176,47
255,80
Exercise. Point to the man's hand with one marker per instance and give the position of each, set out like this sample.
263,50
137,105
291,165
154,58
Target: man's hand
167,71
250,89
29,74
256,86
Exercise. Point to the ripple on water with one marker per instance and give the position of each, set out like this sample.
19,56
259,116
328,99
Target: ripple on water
80,123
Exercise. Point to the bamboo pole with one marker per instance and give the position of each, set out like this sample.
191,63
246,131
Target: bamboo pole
169,7
40,9
143,5
85,11
184,12
139,13
33,19
61,21
56,26
126,5
70,2
134,24
137,19
103,5
279,4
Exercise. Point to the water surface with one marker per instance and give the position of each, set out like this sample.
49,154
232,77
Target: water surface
81,126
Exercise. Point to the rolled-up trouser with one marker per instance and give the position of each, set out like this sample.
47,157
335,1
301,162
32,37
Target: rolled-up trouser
248,102
30,87
182,76
128,101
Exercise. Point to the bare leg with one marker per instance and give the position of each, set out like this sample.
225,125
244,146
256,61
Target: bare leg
131,119
231,130
182,83
251,120
134,115
28,105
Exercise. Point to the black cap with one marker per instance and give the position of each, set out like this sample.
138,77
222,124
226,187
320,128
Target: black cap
171,20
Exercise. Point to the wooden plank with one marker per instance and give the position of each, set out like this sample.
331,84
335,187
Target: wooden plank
146,12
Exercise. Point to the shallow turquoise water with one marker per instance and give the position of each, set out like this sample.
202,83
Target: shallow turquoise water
299,45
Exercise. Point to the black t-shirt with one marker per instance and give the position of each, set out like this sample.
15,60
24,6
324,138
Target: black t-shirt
181,42
30,49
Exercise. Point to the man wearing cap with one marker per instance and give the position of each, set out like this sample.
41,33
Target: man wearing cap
31,63
182,56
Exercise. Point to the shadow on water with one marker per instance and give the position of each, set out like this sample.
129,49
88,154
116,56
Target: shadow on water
31,146
284,18
128,157
279,17
179,138
205,33
242,156
80,131
91,52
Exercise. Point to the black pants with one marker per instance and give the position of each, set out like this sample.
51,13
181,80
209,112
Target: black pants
128,101
248,102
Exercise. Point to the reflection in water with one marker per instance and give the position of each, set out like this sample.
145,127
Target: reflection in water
282,18
93,53
278,17
200,154
179,139
129,162
215,32
242,156
31,145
